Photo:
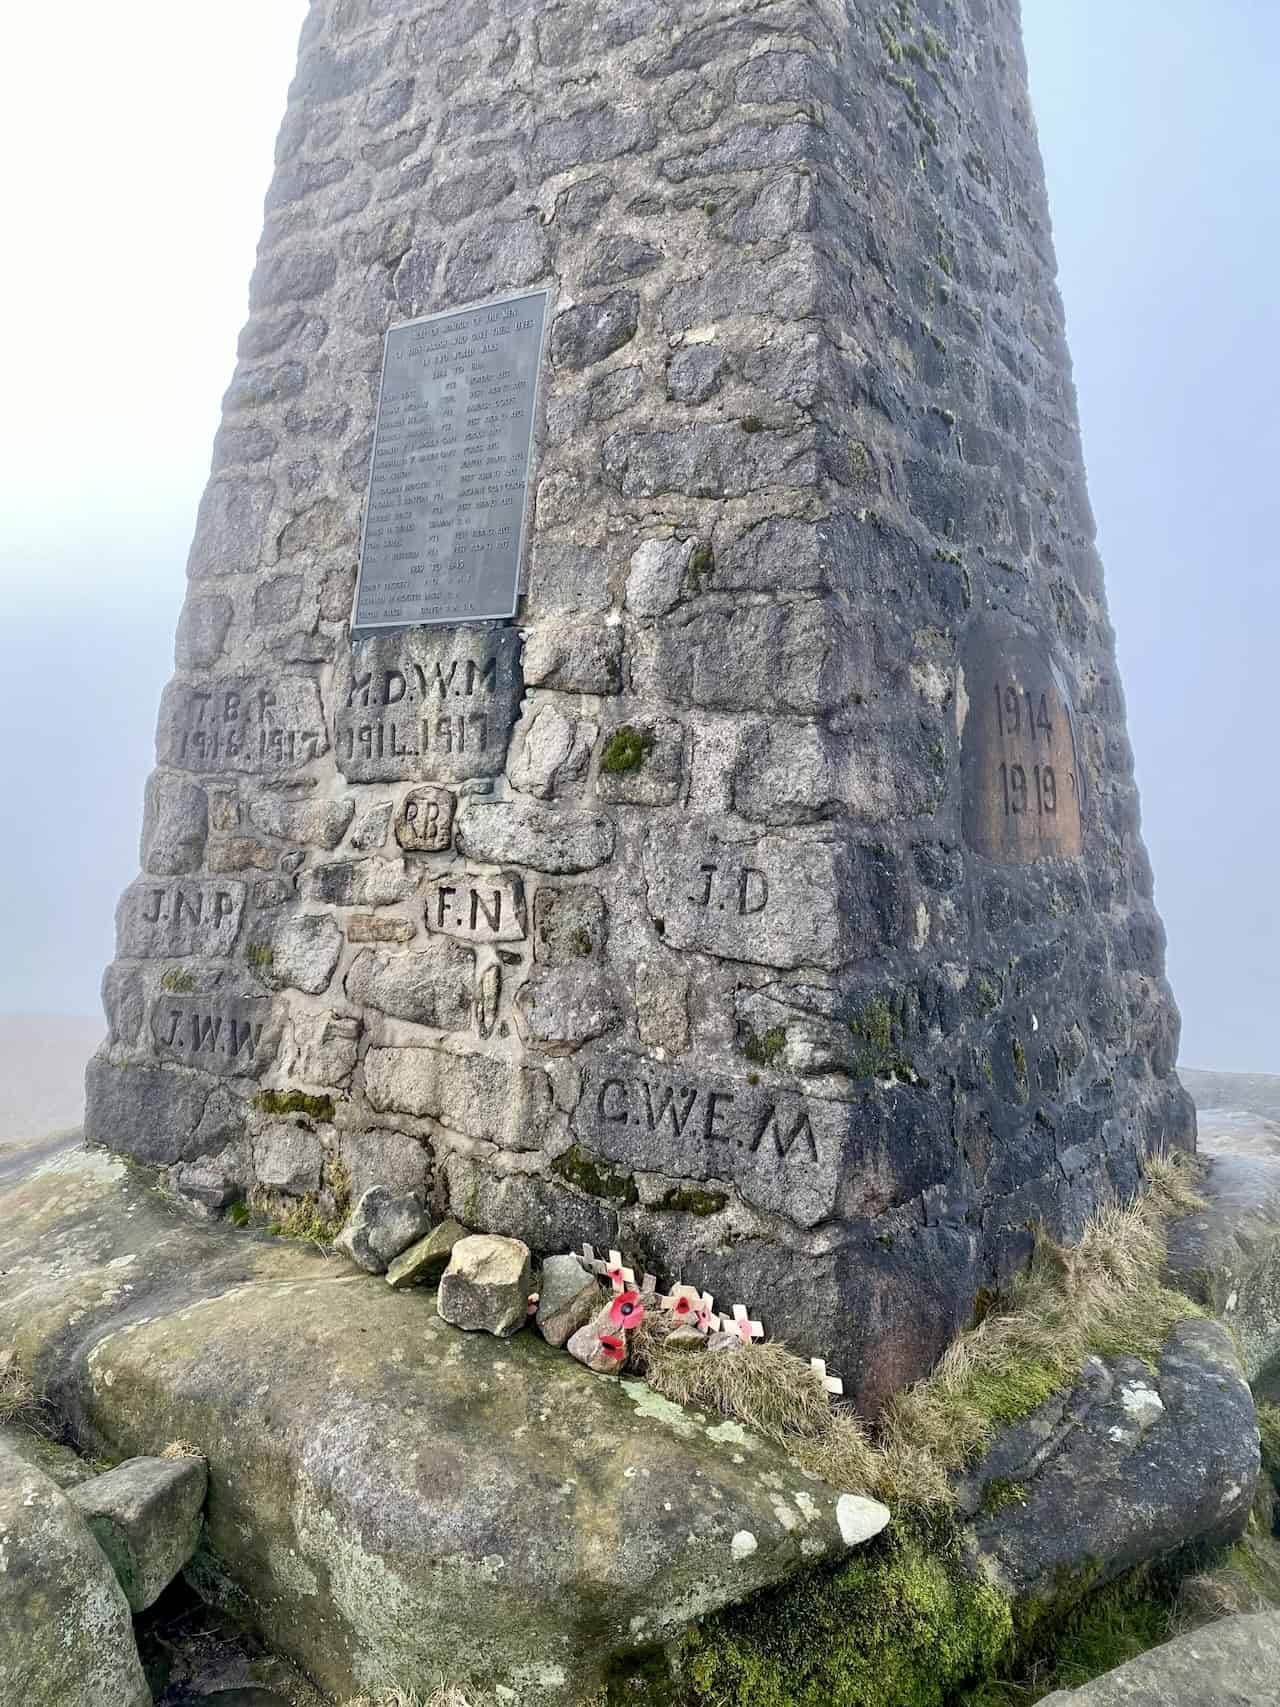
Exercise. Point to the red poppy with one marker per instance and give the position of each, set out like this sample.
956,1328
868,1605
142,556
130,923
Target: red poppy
614,1345
626,1311
683,1306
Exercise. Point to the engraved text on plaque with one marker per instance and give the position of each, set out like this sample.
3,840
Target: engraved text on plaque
445,516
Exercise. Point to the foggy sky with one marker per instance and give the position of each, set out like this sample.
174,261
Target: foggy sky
132,227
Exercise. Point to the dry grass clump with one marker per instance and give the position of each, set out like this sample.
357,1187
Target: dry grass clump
1101,1297
181,1449
450,1695
19,1401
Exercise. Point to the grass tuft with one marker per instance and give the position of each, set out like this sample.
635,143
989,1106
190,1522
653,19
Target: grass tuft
19,1401
181,1449
1100,1297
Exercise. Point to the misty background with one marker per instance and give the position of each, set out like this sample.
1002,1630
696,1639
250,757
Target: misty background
132,219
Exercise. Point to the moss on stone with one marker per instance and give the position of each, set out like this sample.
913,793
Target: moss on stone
588,1175
305,1220
764,1051
626,749
295,1102
694,1200
238,1214
752,424
580,941
1002,1491
178,982
876,1033
701,565
259,954
900,1625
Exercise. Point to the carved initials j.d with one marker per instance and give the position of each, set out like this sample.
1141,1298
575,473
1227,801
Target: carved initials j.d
752,897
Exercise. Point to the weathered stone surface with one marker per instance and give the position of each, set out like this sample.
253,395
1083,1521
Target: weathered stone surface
476,908
288,1159
362,883
431,704
284,1374
657,575
212,1183
486,1285
325,1046
1227,1257
372,827
258,725
778,901
1124,1468
432,986
393,1159
694,374
146,1515
570,923
175,826
479,1095
552,753
574,657
568,1297
303,952
562,1007
590,331
217,1033
382,1224
517,832
1231,1663
322,823
424,821
189,916
202,631
658,778
426,1259
66,1638
157,1115
599,1346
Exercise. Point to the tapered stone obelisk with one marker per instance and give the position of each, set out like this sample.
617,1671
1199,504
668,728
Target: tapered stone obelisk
764,898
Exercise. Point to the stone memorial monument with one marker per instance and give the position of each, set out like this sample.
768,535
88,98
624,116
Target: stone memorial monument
645,764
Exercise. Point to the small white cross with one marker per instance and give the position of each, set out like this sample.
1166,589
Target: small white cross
649,1285
620,1276
679,1291
707,1318
832,1383
747,1329
593,1262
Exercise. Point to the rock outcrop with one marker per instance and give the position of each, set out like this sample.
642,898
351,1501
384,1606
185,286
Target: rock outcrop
389,1493
66,1635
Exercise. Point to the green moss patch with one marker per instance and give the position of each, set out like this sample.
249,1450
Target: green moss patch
626,749
295,1102
694,1200
900,1625
877,1034
582,1170
764,1051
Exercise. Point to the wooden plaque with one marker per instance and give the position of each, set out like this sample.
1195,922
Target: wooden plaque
1018,755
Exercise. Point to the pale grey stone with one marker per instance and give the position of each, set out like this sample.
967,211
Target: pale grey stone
212,1183
662,1007
380,1157
574,657
551,752
570,923
426,1260
175,825
706,460
775,901
562,1007
599,1345
202,631
269,726
305,949
486,1285
568,1297
474,908
659,777
322,823
325,1046
481,1096
1226,1255
218,1032
288,1159
183,917
424,821
231,528
146,1514
382,1224
518,832
433,986
66,1636
656,578
362,882
373,826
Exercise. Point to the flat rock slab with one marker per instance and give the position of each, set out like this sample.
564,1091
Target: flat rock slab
66,1636
1227,1255
146,1516
1125,1467
1233,1663
390,1496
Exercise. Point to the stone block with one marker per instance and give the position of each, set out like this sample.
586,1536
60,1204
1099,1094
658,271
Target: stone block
314,823
559,1008
217,1033
480,1096
551,752
424,820
288,1159
393,1159
188,916
568,1297
231,528
175,826
302,955
432,986
362,882
517,832
574,657
474,908
642,762
424,704
425,1261
253,724
570,923
146,1515
486,1285
382,1225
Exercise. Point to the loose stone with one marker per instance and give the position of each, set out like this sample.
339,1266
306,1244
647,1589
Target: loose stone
486,1285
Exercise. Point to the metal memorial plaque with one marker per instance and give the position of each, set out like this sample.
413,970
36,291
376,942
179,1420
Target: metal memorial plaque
1018,755
448,487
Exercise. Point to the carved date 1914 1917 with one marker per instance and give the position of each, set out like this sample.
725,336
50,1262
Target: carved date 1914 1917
243,724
